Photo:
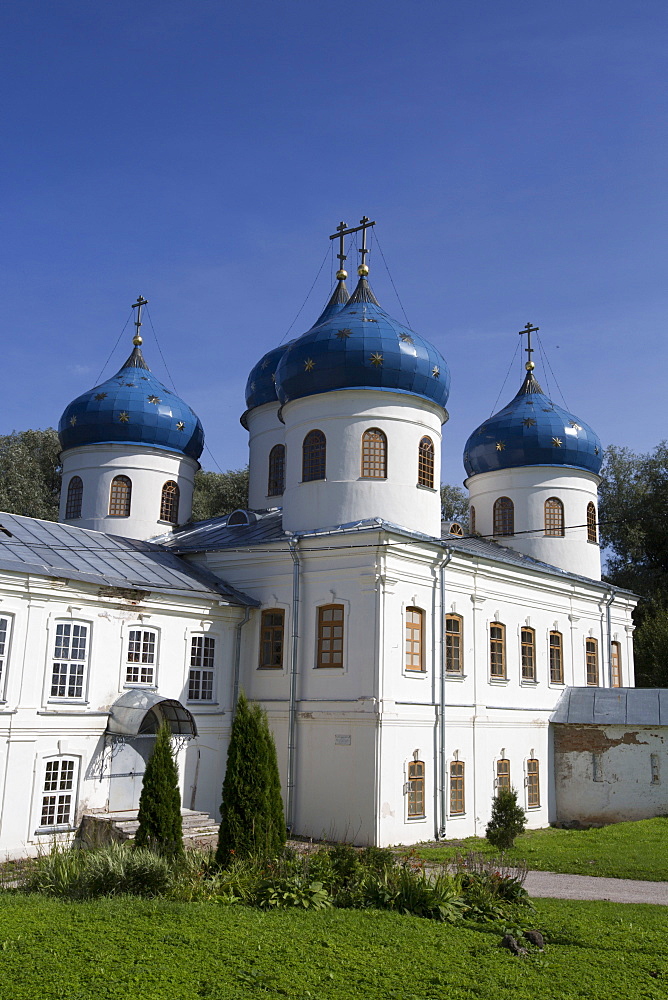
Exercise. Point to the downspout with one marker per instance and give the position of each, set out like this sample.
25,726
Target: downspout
292,705
237,659
441,708
608,621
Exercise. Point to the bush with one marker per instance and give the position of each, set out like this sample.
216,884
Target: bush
108,871
508,819
160,827
411,890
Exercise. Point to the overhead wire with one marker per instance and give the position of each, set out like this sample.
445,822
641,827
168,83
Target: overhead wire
374,237
118,340
308,295
512,362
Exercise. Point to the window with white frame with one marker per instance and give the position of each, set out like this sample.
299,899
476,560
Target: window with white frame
70,658
200,678
140,668
59,792
4,638
415,788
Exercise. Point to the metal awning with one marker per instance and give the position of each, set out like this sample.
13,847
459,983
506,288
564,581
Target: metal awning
141,713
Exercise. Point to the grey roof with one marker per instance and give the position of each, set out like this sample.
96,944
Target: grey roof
613,707
267,527
129,711
49,549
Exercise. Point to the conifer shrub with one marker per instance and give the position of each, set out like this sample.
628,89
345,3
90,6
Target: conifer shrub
252,820
160,826
508,819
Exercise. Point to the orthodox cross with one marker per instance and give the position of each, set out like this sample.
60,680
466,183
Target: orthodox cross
365,224
529,329
141,301
341,229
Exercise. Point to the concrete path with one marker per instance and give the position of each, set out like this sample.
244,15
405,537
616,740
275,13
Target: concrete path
618,890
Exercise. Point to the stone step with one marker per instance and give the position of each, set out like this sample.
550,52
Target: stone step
123,826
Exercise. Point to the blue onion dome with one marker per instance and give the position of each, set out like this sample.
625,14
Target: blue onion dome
532,430
134,407
361,346
261,384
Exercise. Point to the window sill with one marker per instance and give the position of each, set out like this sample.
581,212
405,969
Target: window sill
199,703
81,702
451,675
429,489
556,684
526,682
45,831
454,816
325,666
416,819
414,673
150,685
499,680
274,670
302,482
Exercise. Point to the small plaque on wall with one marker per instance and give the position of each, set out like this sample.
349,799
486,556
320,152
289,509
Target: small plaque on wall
341,741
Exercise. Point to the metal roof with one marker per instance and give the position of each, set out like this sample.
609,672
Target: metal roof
47,548
590,706
128,712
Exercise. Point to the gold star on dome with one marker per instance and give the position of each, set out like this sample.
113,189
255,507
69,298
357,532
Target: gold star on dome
124,416
500,445
309,365
252,387
273,377
405,338
100,395
344,334
482,429
529,422
130,385
265,364
73,421
376,359
144,378
154,399
557,442
436,371
180,426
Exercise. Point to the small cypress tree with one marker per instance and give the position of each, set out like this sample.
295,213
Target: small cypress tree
508,819
160,826
252,809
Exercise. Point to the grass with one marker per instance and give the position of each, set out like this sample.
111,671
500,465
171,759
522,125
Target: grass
623,850
158,950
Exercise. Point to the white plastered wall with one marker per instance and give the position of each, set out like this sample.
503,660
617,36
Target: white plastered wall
264,431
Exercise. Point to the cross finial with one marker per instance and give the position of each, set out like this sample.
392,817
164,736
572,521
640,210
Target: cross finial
342,231
363,269
529,329
141,301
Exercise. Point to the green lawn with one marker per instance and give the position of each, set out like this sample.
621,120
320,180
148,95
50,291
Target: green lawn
622,850
158,950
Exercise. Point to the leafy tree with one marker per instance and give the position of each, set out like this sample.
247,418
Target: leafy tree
30,473
252,810
455,505
508,819
218,493
160,826
634,526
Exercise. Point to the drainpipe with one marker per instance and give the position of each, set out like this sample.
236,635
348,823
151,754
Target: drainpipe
292,708
441,708
237,659
608,620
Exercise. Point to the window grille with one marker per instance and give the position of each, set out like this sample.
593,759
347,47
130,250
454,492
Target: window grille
616,664
74,499
454,662
314,456
141,657
528,639
272,630
456,787
426,463
58,792
556,658
497,650
374,454
591,657
200,678
330,635
69,660
169,503
414,639
415,789
502,773
554,517
592,527
533,784
276,482
504,517
120,497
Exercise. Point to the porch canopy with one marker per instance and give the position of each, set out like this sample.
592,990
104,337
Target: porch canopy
141,713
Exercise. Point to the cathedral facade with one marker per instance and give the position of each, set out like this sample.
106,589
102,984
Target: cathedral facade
409,669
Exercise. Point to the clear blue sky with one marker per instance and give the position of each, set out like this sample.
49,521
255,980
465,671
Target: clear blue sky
514,156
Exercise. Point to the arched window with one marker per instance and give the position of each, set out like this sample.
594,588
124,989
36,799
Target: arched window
592,534
472,528
528,654
591,658
120,496
616,664
314,456
556,658
426,463
415,789
169,504
276,483
374,454
456,787
414,639
554,517
74,499
504,516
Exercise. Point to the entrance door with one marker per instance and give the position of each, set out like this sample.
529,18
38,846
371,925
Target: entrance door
127,772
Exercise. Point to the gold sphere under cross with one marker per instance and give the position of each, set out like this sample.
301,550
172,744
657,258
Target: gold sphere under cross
362,270
341,275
